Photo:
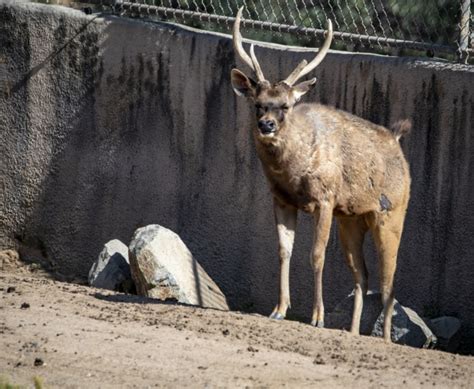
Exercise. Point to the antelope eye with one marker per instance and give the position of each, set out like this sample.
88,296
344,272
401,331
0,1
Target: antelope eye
285,108
260,109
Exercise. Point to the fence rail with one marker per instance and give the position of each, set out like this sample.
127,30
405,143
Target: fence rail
433,27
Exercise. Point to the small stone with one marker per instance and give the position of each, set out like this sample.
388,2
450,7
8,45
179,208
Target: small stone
226,332
447,329
111,270
319,360
11,289
38,362
24,306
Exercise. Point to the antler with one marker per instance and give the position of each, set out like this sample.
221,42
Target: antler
304,68
237,40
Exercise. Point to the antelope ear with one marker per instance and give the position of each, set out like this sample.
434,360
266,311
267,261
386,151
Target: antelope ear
242,85
300,89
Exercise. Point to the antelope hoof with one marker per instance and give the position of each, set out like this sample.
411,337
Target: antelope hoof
277,316
317,323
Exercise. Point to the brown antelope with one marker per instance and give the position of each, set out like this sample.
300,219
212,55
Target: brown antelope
327,162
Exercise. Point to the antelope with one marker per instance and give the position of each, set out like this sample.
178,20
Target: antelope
329,163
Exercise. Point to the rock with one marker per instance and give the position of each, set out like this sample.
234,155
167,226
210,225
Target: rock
407,327
446,329
39,362
111,270
163,268
10,260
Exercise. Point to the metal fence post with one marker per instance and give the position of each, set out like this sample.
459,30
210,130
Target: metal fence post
464,30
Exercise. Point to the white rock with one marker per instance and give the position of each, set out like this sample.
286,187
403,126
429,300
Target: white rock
111,270
164,268
407,326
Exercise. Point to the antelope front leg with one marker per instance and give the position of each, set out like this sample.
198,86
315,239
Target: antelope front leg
322,228
285,218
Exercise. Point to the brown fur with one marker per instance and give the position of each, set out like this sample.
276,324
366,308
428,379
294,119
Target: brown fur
329,163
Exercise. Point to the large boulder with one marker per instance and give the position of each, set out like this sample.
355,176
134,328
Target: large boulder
163,268
407,327
111,270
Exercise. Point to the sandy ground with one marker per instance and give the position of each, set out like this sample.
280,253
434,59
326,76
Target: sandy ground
81,337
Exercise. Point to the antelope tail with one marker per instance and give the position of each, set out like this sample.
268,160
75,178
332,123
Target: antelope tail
401,128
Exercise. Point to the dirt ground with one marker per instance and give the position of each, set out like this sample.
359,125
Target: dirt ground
73,336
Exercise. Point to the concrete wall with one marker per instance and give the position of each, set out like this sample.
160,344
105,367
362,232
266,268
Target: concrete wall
111,124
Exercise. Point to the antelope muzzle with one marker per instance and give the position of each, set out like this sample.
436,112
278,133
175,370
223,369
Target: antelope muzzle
266,126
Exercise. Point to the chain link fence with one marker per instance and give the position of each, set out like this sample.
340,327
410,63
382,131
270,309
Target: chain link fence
436,28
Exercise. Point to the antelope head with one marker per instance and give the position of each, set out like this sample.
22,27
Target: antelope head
273,102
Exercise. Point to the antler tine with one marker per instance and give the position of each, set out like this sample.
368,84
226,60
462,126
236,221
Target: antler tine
302,70
239,49
258,69
237,40
290,80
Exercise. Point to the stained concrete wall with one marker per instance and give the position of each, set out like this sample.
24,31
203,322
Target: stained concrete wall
109,124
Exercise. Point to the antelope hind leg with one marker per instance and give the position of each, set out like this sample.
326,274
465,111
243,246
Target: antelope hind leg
387,231
352,232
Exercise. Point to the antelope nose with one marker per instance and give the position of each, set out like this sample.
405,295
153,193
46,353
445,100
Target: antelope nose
266,126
